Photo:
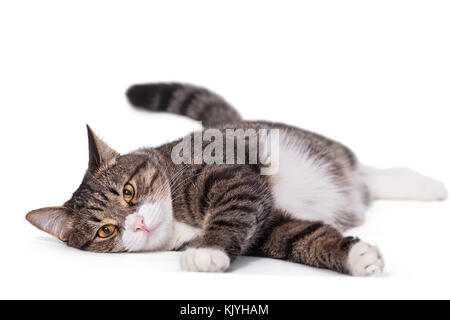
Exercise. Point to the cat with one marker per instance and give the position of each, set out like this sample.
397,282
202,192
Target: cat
215,212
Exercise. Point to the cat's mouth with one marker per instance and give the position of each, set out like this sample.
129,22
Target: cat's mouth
148,230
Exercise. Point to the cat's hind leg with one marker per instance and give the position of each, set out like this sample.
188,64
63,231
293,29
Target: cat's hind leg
402,184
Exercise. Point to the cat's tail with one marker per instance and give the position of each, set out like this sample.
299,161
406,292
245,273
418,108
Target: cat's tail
402,184
191,101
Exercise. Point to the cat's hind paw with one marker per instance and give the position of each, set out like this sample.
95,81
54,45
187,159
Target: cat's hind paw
365,260
204,260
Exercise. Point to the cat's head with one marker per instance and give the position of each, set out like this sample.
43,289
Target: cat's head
122,204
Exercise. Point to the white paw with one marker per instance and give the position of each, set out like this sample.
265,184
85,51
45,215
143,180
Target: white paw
365,260
417,186
433,190
204,260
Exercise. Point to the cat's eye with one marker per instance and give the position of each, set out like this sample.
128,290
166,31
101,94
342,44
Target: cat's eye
128,192
106,231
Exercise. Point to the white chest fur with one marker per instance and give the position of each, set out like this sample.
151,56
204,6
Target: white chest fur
182,233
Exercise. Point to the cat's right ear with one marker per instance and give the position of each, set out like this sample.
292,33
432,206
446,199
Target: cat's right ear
56,221
99,152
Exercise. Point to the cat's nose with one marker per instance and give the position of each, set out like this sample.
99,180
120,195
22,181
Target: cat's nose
140,225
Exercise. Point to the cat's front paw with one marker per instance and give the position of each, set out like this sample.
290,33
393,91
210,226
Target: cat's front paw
204,260
365,260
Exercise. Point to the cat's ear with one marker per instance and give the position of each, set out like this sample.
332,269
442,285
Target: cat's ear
56,221
99,152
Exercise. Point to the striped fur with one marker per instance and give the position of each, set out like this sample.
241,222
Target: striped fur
216,212
187,100
311,243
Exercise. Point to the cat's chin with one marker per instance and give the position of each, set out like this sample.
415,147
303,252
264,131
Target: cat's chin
142,241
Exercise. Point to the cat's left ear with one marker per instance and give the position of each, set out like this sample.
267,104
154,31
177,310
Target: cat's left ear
99,152
56,221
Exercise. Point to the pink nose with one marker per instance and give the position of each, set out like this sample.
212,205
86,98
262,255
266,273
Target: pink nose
140,225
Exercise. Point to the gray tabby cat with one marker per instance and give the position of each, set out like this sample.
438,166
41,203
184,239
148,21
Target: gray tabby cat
143,201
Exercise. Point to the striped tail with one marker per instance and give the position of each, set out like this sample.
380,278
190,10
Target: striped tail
193,102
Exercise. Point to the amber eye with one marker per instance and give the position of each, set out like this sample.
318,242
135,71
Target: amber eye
128,193
106,231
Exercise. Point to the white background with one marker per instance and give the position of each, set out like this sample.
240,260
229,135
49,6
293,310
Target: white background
372,74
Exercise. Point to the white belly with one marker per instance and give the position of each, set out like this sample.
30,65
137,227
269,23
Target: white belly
305,189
